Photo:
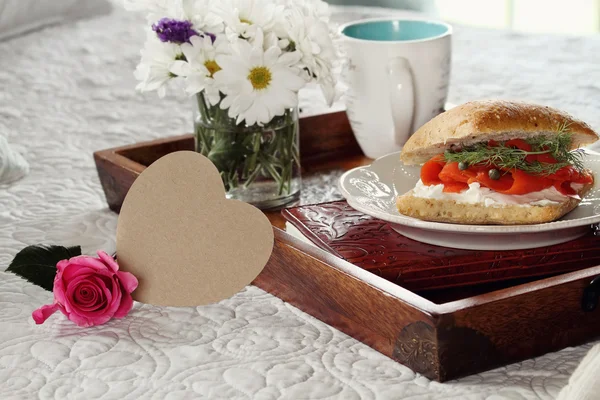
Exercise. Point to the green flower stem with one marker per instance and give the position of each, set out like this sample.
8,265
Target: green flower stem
248,155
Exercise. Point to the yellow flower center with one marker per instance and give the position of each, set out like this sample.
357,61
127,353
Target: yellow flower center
245,21
259,77
212,67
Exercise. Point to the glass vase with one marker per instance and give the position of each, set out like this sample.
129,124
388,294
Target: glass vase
259,165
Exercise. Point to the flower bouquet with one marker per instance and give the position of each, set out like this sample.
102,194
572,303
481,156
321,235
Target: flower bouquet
243,62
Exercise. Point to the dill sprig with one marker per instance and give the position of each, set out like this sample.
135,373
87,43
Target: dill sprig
503,157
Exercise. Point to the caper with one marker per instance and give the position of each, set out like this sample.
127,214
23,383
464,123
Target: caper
463,165
494,174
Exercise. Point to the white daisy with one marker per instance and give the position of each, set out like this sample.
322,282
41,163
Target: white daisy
154,69
258,84
200,13
310,36
200,65
243,18
271,39
315,8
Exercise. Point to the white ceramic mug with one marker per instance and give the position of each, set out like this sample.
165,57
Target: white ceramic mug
397,73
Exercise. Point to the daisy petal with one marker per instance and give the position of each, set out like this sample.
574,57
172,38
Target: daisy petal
272,56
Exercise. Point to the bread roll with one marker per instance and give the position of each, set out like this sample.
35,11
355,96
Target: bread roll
498,120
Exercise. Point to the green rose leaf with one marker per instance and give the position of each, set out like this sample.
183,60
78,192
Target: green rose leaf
37,263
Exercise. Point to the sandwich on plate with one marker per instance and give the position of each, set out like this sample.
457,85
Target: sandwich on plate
497,162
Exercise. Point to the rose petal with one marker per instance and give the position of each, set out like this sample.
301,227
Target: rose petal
87,295
70,288
88,319
116,293
107,280
66,300
125,306
87,311
107,294
59,289
85,321
78,319
41,314
109,261
101,302
60,266
88,261
128,281
70,303
100,320
101,285
83,317
96,308
73,270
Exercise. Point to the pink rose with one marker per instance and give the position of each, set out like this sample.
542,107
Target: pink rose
90,291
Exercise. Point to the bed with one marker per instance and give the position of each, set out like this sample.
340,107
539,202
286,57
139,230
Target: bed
68,90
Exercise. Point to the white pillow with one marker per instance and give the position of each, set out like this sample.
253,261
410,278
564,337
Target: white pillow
21,16
12,164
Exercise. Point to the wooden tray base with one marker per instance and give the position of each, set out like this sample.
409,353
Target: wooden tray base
442,335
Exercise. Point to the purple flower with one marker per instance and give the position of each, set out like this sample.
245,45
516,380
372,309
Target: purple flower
174,31
212,36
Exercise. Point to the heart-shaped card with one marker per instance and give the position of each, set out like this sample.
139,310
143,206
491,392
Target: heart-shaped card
187,244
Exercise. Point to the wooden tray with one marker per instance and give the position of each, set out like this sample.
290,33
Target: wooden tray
442,334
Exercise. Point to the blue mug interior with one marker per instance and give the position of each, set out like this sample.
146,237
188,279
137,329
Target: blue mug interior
395,30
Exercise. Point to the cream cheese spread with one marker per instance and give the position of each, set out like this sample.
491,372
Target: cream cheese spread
476,194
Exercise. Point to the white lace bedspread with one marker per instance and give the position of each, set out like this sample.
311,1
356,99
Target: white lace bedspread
68,91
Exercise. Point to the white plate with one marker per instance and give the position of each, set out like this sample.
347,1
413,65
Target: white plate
373,190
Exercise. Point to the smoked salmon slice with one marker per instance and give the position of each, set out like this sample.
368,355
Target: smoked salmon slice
514,182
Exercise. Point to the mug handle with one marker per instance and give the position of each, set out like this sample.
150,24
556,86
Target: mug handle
402,98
